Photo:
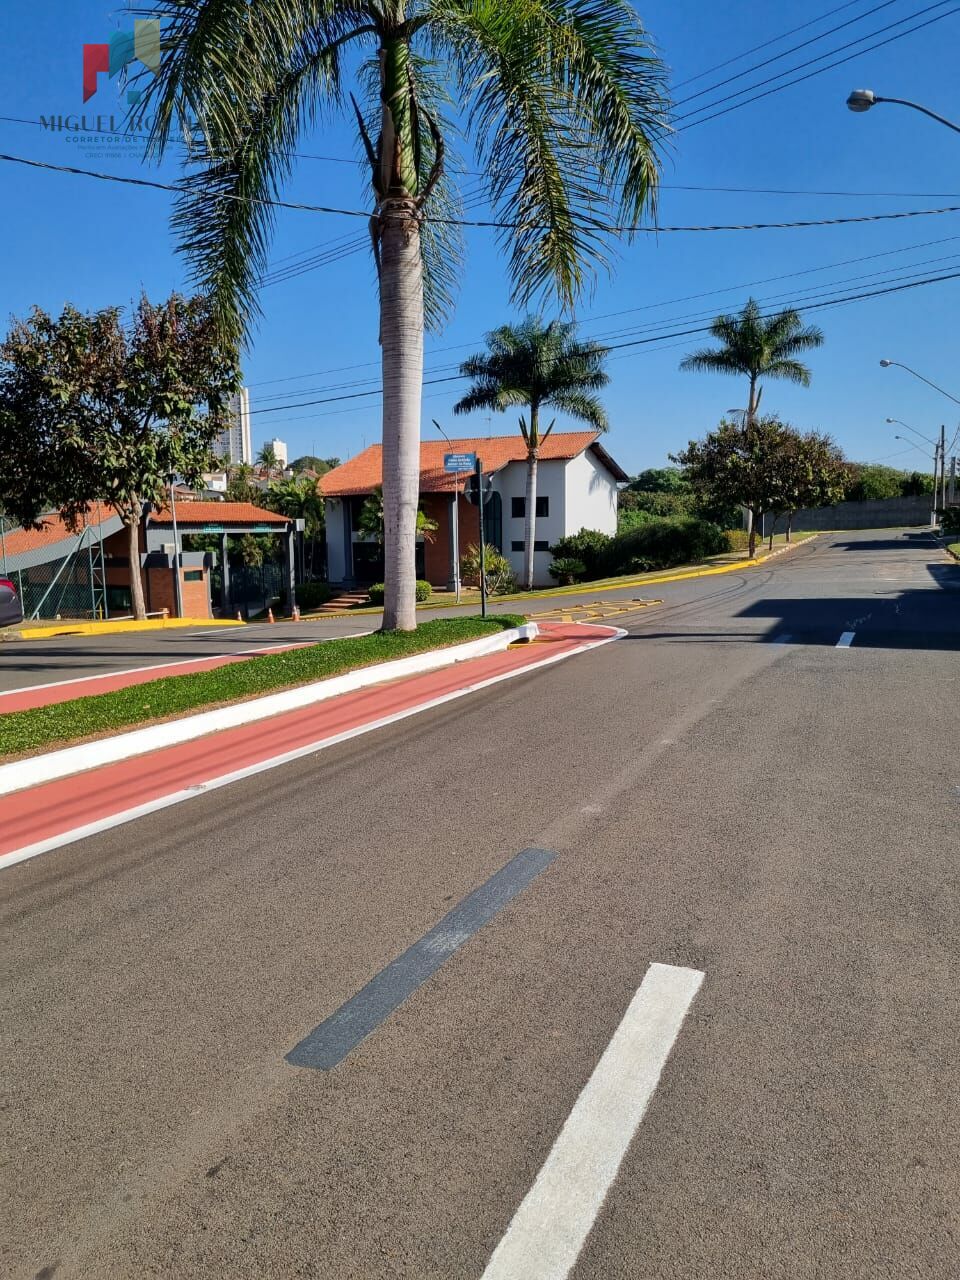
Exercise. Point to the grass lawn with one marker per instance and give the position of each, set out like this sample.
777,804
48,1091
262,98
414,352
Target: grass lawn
47,727
954,549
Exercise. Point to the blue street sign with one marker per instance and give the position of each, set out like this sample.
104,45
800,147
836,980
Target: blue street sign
459,461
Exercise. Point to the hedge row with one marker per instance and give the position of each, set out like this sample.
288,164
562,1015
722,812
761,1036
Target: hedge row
657,544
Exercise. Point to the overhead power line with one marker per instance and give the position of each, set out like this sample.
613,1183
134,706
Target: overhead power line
634,342
625,229
778,88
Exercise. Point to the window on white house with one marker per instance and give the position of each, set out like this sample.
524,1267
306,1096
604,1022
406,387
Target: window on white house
517,545
518,507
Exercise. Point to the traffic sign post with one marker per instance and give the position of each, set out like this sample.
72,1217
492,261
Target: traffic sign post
457,463
478,472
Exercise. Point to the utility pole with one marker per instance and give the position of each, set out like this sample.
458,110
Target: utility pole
943,466
953,481
178,586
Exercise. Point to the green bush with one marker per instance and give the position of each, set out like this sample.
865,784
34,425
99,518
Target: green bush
737,539
375,592
950,519
633,518
567,569
500,579
661,544
310,595
589,546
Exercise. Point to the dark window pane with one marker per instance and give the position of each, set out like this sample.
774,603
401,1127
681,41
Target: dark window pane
518,508
516,546
543,506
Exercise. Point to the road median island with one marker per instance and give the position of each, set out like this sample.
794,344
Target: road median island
173,697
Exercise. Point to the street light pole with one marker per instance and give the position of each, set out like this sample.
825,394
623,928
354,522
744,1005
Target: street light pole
863,99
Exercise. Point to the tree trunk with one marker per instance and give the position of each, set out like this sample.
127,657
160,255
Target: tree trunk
133,555
401,337
752,401
752,545
530,519
789,524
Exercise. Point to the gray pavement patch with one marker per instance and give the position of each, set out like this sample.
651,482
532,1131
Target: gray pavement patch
337,1036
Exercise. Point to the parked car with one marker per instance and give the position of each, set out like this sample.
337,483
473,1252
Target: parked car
11,610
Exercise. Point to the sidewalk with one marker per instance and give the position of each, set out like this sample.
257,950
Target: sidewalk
52,814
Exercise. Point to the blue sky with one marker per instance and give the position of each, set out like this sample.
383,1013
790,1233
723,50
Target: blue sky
72,239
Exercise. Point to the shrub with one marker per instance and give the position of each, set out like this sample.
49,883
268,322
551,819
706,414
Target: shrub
500,579
376,592
589,546
632,518
664,543
567,569
950,519
310,595
737,539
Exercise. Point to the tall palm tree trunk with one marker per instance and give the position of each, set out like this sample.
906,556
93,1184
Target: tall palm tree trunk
401,336
530,516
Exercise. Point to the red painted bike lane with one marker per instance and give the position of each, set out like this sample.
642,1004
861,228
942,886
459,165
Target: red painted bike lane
43,817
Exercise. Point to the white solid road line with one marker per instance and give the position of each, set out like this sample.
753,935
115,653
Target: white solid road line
549,1229
846,640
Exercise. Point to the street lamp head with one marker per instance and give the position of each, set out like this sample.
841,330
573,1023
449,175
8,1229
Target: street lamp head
885,364
893,419
861,100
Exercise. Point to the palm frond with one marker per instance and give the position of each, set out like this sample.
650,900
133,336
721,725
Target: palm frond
789,371
581,406
247,79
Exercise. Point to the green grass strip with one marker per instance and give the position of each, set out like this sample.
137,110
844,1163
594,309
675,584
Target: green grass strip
55,725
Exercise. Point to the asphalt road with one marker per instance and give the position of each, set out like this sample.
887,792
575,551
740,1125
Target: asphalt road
779,815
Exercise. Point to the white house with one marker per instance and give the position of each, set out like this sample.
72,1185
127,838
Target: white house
576,489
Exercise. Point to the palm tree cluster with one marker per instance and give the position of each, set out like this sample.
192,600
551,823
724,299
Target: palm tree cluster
564,100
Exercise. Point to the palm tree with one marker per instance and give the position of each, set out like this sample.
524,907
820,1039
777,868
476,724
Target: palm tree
758,346
372,523
565,101
538,366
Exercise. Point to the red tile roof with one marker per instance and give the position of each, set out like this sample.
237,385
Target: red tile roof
219,513
364,472
52,530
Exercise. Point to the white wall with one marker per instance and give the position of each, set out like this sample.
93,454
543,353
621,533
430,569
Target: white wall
511,482
591,495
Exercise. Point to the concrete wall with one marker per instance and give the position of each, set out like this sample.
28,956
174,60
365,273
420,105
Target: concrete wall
510,483
885,513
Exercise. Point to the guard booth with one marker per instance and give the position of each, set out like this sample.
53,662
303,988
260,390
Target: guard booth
204,573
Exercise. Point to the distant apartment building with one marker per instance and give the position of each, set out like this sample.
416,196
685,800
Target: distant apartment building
235,445
279,448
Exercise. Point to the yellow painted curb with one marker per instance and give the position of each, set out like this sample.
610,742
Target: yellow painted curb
120,627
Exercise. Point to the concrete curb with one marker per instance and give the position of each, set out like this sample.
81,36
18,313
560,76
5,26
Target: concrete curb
20,774
112,628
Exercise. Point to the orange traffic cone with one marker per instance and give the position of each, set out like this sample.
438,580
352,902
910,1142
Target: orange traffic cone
296,613
239,615
270,617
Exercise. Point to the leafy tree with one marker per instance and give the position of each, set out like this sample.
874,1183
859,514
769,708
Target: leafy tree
659,480
564,99
758,346
738,464
536,366
309,462
871,482
811,473
93,406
